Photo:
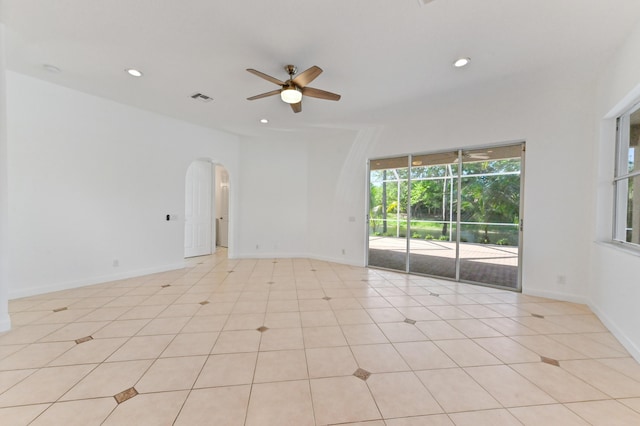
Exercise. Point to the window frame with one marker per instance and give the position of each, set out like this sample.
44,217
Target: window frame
621,179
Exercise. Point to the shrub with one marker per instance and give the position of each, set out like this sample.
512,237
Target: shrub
443,238
503,242
428,237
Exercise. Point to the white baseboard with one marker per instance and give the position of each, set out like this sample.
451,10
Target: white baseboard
630,346
556,295
5,323
18,293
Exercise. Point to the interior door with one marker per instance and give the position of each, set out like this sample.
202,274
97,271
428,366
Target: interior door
222,206
197,227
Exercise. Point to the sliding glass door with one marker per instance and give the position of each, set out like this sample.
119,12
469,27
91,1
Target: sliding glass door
454,215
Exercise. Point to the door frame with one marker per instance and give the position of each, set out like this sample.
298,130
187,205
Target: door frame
459,152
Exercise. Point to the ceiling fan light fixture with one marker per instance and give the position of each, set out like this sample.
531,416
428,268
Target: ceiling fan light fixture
291,95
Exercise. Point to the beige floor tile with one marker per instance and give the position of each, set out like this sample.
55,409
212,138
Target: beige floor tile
189,344
418,313
63,317
170,374
163,326
21,416
347,303
467,353
10,378
45,385
182,310
309,305
541,325
121,328
106,314
141,347
480,311
547,415
456,391
607,380
474,328
508,387
485,418
321,337
142,312
439,330
281,339
449,312
401,395
544,346
244,322
633,403
341,400
402,332
36,355
627,366
74,331
283,320
205,324
84,412
508,327
279,366
151,409
318,319
225,406
282,306
424,355
108,379
433,420
605,413
237,341
330,362
558,383
91,352
507,350
380,358
250,307
380,315
227,370
279,404
353,316
364,334
609,340
589,347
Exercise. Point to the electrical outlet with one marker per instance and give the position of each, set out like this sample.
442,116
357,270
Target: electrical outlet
561,280
344,251
116,263
257,246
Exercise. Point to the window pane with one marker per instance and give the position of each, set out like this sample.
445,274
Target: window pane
632,151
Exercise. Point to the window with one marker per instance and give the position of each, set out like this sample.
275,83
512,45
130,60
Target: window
627,177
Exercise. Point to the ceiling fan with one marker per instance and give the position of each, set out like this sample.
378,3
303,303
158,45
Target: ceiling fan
295,87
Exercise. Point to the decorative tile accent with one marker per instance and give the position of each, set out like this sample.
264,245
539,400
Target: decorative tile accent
362,374
366,280
262,329
60,309
271,282
275,261
313,270
230,272
550,361
537,316
205,302
166,285
125,395
326,298
409,321
83,339
434,294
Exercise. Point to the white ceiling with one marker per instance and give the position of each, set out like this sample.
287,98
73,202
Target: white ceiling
375,53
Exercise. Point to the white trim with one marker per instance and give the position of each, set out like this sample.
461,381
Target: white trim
5,323
556,295
16,294
617,333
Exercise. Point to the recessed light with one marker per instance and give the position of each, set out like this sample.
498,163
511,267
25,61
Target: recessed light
134,72
461,62
51,68
264,120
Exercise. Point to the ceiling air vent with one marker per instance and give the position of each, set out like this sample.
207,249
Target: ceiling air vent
423,2
201,97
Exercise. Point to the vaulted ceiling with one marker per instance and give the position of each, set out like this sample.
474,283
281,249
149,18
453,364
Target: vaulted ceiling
376,53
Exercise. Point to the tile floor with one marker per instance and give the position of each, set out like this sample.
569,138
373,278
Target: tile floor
303,342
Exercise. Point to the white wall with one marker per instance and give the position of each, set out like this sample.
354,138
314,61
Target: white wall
5,322
615,280
91,181
272,211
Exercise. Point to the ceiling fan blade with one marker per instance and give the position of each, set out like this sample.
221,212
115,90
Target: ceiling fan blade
264,95
266,77
320,94
296,107
306,77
